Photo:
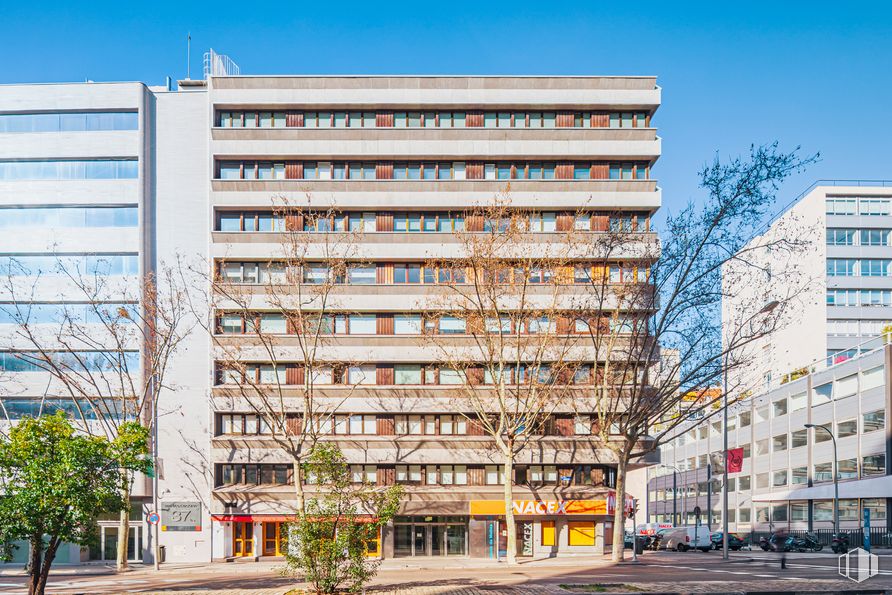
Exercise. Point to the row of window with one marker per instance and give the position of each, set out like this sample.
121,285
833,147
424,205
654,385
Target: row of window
859,297
68,122
795,511
404,324
416,273
75,409
854,267
418,170
370,374
857,237
67,217
856,328
98,169
31,313
92,361
250,424
229,474
104,265
430,119
854,205
429,222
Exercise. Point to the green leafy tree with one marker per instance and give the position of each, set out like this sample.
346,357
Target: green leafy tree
56,481
330,541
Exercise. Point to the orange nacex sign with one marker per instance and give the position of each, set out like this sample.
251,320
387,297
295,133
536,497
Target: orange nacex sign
540,507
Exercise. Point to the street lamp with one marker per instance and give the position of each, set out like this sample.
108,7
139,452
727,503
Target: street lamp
769,307
835,475
675,472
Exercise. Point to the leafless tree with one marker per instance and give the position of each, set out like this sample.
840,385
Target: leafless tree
107,347
515,362
659,337
288,318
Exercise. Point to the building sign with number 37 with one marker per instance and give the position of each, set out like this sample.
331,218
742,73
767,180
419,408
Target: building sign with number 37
181,516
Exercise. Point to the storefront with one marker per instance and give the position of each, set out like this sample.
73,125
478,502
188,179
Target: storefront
259,536
430,536
544,528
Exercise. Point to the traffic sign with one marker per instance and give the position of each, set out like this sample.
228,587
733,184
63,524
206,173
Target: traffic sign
153,518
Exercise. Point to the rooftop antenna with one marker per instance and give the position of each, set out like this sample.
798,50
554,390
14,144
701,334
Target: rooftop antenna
188,55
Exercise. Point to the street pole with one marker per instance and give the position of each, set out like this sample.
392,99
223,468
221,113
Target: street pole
674,497
725,465
708,495
835,475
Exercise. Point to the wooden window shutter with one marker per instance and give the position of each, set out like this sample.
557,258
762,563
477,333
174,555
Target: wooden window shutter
597,475
293,424
474,375
294,374
600,222
384,120
563,171
564,221
474,222
563,426
384,425
384,324
294,170
600,171
384,170
475,427
294,222
474,119
474,171
563,325
386,476
384,375
475,476
564,120
384,222
384,273
294,119
600,120
565,472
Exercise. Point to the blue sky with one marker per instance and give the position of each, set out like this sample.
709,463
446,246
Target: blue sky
815,74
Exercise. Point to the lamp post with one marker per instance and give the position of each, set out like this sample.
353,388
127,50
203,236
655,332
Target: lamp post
835,475
675,472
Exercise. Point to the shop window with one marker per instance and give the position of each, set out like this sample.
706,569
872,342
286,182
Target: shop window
548,533
581,533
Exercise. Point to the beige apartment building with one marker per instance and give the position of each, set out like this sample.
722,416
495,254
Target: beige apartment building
403,160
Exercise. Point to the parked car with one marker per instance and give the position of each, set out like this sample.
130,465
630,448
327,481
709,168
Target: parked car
657,539
628,540
735,542
682,539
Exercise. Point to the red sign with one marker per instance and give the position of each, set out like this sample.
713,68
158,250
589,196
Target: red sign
735,460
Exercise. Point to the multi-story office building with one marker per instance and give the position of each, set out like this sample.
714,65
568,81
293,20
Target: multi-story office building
403,159
787,474
830,266
106,181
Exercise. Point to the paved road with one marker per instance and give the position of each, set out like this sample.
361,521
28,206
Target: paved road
692,571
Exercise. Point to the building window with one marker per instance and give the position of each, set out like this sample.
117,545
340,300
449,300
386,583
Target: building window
779,407
877,507
874,267
779,443
761,481
873,465
841,267
874,420
822,394
800,475
846,428
364,474
874,237
581,533
494,475
873,206
548,533
363,424
841,206
408,474
779,478
799,438
840,237
762,447
745,419
823,472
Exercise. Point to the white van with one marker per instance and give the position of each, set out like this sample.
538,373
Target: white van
682,539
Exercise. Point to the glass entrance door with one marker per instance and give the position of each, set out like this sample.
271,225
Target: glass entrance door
242,539
438,540
419,537
272,539
108,543
435,537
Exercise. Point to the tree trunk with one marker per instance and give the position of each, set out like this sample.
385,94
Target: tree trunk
124,526
510,524
45,567
34,565
619,513
299,487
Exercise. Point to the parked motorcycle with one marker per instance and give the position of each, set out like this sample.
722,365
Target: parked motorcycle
840,543
777,544
810,543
